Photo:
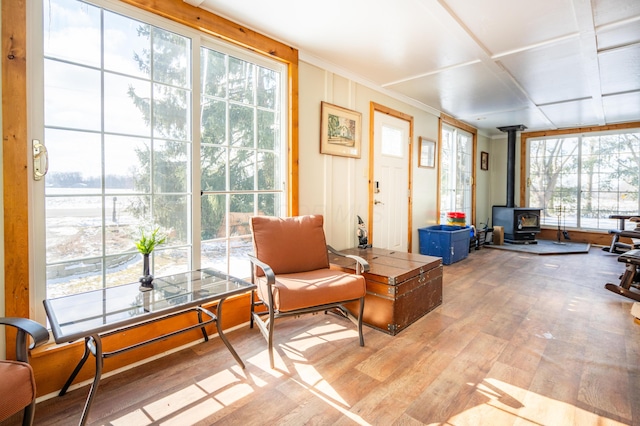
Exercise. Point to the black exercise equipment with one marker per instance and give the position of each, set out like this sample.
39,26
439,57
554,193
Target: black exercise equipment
630,281
617,246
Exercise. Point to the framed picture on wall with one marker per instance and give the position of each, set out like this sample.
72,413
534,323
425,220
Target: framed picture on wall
484,160
427,156
340,131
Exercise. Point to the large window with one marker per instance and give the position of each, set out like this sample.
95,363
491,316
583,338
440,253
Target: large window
456,173
125,125
581,179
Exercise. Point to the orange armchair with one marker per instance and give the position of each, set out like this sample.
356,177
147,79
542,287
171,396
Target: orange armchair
293,276
17,384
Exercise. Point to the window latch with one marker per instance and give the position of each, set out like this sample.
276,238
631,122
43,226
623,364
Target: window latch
40,160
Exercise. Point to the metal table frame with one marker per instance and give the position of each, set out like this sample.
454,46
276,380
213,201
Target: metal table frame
93,336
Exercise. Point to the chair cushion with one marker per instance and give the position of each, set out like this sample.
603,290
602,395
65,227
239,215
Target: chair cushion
289,245
312,288
17,387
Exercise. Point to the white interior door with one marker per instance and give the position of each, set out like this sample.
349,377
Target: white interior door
391,182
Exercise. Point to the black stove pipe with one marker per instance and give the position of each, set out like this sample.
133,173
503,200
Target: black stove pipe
511,161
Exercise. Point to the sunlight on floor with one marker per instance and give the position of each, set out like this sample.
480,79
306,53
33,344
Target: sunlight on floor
196,402
217,391
494,399
506,403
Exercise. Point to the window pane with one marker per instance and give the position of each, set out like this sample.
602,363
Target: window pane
241,125
171,213
126,105
391,141
170,167
213,216
214,255
214,73
172,119
268,88
126,163
74,277
214,168
66,174
72,96
74,227
123,222
267,130
171,58
72,31
267,171
126,45
242,163
269,204
239,265
240,210
214,122
241,80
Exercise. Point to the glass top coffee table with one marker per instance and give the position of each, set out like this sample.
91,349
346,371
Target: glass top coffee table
97,314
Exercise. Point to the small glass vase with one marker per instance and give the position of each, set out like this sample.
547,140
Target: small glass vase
146,280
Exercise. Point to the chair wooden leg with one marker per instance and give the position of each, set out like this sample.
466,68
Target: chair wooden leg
360,321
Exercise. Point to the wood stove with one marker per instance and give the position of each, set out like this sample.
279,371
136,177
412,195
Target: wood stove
521,224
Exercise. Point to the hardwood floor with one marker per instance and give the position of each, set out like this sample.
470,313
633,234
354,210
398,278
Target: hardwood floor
519,340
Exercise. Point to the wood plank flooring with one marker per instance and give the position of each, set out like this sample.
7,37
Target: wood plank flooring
520,339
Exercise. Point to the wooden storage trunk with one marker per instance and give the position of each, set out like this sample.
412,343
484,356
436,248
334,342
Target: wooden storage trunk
401,287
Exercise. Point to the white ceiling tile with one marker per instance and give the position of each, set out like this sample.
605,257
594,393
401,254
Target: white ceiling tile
622,107
530,117
609,11
505,25
550,73
619,35
620,70
572,114
463,90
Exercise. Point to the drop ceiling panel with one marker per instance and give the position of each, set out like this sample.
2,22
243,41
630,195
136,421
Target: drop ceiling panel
620,70
619,35
621,108
609,11
489,123
465,90
572,114
553,73
507,25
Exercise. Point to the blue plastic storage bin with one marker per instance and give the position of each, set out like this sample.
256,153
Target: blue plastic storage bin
451,243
